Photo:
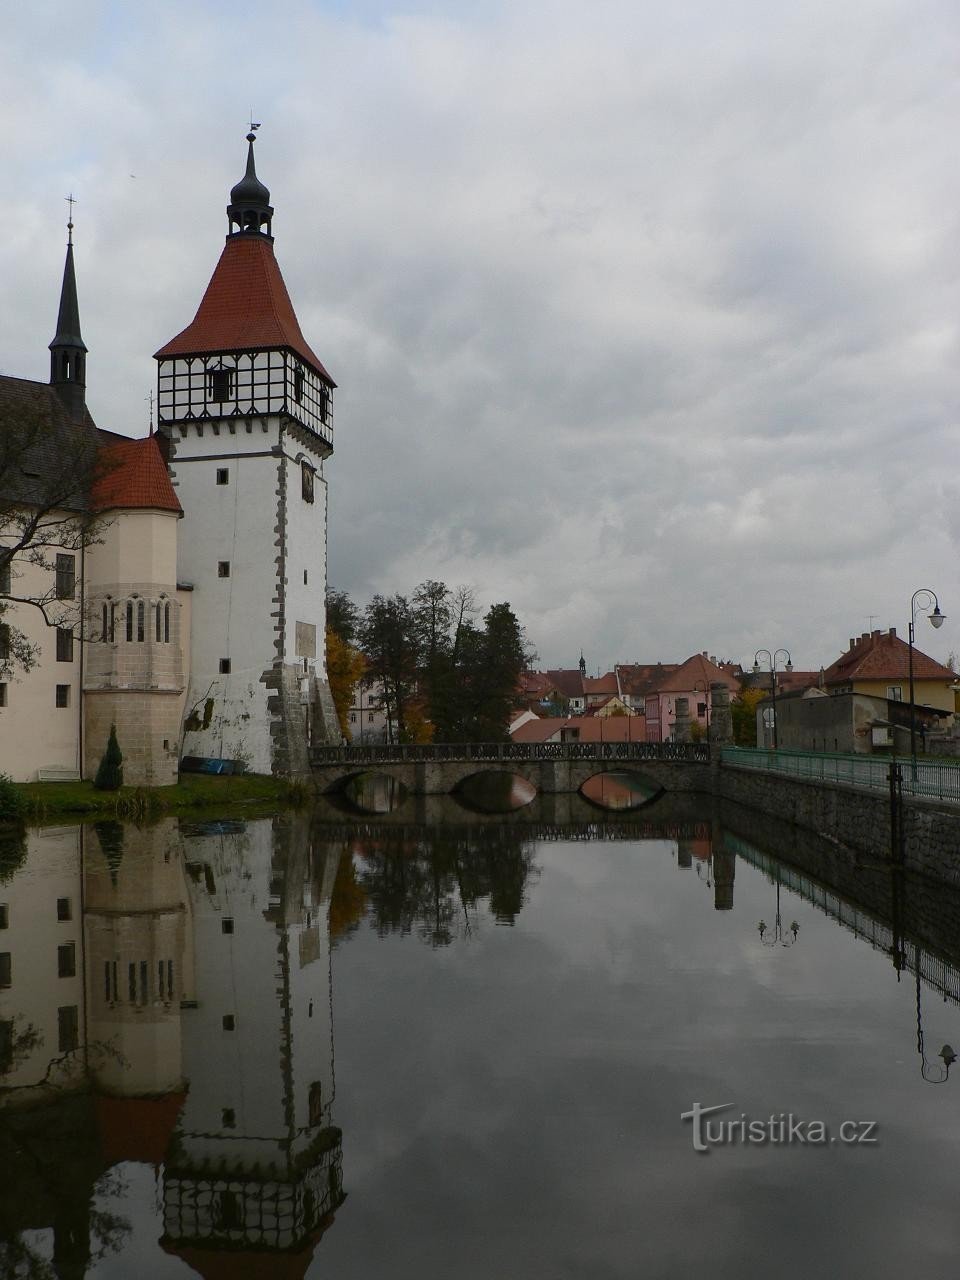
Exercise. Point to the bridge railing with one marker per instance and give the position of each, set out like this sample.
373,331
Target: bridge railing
934,779
497,752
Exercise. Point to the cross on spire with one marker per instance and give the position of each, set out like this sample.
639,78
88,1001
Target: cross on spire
71,200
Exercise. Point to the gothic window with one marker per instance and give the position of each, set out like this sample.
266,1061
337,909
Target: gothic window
129,621
166,623
66,577
219,385
159,621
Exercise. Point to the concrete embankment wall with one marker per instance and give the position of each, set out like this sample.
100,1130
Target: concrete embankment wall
927,838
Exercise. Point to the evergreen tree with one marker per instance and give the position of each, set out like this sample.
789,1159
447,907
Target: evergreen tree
110,774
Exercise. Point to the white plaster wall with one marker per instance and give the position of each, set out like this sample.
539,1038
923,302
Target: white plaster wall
50,871
306,553
135,546
34,731
231,617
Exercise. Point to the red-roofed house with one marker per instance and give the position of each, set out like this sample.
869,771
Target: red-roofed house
878,663
691,680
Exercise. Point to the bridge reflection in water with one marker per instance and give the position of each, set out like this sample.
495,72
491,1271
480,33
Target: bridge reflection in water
190,1024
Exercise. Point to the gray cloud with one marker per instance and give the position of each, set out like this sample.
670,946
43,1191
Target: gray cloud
645,321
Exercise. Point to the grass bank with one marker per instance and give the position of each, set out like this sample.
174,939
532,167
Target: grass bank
248,792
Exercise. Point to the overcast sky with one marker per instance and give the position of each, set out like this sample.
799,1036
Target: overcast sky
644,317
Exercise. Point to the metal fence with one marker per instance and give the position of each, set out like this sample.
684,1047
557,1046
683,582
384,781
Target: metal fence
934,779
385,753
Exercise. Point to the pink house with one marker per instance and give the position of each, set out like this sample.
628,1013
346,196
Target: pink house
691,680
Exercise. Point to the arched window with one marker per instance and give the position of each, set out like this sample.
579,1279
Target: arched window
129,621
105,616
159,612
141,620
166,623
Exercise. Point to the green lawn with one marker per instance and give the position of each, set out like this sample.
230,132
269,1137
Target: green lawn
196,791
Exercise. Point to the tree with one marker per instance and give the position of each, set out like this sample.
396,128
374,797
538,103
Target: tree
743,711
110,773
343,616
48,465
345,668
389,641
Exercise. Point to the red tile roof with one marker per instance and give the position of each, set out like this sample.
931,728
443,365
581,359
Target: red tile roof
882,655
246,308
601,684
592,728
638,678
132,474
696,670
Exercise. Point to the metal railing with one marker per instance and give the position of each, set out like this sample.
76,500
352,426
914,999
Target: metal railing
483,752
933,779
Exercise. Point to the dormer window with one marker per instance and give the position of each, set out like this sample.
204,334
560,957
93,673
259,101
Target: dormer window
219,385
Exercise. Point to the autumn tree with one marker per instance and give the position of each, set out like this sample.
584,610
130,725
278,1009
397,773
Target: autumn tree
345,668
743,710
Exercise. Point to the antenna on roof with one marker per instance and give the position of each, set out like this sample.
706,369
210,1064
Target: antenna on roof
871,618
149,398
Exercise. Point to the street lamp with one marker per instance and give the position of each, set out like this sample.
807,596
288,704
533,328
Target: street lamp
772,659
775,937
922,599
933,1074
706,698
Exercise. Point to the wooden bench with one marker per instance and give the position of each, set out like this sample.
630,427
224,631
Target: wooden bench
57,773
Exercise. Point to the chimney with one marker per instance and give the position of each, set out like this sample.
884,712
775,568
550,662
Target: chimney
893,632
852,643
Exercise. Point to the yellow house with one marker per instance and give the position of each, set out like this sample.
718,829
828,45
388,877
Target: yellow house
878,663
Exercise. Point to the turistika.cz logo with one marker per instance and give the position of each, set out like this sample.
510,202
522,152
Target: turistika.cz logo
781,1130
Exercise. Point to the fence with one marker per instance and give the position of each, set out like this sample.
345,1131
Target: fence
677,752
935,780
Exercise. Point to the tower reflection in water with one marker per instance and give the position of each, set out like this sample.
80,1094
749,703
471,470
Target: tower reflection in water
168,1001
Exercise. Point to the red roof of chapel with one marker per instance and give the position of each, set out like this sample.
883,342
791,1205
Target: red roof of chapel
133,475
246,307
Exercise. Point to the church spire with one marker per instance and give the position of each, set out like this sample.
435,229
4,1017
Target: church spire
67,350
249,211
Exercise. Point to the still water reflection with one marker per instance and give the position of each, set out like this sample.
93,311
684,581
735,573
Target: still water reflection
523,1012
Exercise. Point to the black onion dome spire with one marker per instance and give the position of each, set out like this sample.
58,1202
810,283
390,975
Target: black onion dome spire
249,210
67,350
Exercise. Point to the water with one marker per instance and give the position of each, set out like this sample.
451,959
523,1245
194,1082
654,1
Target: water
356,1048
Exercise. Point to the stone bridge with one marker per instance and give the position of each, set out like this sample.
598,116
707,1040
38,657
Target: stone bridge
553,768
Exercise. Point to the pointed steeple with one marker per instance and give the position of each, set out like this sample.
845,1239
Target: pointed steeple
68,373
583,664
249,211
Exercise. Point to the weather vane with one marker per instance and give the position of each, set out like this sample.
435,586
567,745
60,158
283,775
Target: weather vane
254,125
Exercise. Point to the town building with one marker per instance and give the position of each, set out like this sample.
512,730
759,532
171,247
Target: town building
189,596
691,680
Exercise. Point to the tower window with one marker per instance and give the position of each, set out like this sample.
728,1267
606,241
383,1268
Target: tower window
223,568
219,385
228,1022
298,385
226,924
223,475
224,666
324,404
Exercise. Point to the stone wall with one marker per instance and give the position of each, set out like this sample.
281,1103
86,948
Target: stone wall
926,838
148,731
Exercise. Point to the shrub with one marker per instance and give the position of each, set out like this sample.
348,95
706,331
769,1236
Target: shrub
13,805
110,774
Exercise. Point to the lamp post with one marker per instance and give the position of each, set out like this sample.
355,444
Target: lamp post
922,599
772,659
774,937
932,1073
706,698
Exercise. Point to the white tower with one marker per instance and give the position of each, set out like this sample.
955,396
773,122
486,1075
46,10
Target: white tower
245,405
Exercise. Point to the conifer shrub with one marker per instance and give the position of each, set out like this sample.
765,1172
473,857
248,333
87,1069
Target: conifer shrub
110,773
12,802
